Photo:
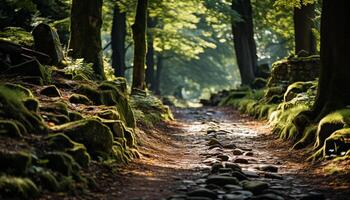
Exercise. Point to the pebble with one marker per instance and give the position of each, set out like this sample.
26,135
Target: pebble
241,160
237,152
202,192
223,157
268,168
230,146
213,141
249,154
222,180
257,187
216,167
233,166
268,196
273,176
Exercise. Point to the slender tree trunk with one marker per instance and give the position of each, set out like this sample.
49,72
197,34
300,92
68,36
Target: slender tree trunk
85,38
139,34
158,74
118,42
244,43
150,76
303,24
333,88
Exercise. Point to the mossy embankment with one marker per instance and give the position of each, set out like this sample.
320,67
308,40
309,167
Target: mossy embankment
286,101
60,126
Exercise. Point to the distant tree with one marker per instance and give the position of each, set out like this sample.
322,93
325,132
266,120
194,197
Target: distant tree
303,24
85,38
244,43
150,70
139,35
118,35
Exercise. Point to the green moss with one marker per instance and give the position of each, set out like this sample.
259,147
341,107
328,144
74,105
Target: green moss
120,100
338,143
296,88
91,92
277,90
13,187
334,121
17,35
9,129
15,162
96,136
79,99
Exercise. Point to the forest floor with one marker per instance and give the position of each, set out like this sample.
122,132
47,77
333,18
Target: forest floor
177,157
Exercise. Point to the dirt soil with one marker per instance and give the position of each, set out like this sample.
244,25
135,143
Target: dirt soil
174,153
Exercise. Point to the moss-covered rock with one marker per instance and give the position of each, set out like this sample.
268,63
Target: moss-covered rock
61,162
31,104
12,107
111,95
30,68
16,163
96,136
330,123
17,188
338,143
63,143
55,118
9,129
296,88
59,108
111,114
75,116
47,180
79,99
50,91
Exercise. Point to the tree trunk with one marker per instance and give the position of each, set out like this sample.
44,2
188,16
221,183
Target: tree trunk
303,24
85,38
118,42
158,74
150,76
244,43
139,36
333,89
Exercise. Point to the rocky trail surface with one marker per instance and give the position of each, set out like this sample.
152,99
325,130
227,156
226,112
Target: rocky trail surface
215,153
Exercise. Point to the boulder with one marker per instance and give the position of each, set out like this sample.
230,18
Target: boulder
95,136
50,91
46,40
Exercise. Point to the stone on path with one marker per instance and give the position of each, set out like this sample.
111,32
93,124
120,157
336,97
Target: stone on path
222,180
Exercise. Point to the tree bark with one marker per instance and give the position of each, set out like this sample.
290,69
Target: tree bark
333,89
244,43
118,42
139,36
158,74
303,25
85,38
150,76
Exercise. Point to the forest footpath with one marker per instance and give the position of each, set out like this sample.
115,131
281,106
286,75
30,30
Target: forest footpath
216,153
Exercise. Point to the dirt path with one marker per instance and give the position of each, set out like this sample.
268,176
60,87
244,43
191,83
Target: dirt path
178,159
